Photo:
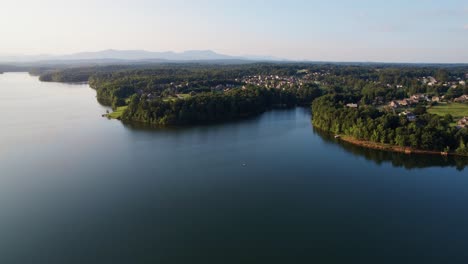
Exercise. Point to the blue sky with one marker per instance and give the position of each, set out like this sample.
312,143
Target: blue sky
332,30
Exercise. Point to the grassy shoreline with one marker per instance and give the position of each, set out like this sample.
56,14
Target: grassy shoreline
117,114
393,148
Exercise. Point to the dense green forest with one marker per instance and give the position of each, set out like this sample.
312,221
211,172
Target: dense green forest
429,132
207,107
160,83
389,81
74,74
186,94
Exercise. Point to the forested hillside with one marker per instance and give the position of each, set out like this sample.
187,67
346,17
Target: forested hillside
428,132
382,103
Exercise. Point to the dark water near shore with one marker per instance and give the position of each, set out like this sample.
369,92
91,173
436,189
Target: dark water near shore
78,188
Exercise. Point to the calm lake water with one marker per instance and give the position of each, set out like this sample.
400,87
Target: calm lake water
78,188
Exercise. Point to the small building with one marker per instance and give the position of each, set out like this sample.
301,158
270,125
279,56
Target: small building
461,99
432,81
394,104
410,116
352,105
404,102
218,87
419,97
462,122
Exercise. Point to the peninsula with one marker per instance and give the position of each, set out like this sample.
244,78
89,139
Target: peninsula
406,108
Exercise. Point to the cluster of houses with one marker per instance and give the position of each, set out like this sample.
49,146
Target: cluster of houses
413,100
316,74
418,98
431,81
273,81
409,115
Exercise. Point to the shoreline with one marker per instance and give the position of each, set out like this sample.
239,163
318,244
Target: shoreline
393,148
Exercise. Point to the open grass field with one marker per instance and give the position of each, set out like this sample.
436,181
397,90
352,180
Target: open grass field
183,96
117,114
457,110
177,97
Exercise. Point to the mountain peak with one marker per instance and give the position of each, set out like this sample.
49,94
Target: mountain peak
130,55
200,51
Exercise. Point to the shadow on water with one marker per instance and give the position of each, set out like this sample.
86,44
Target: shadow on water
415,161
379,157
144,127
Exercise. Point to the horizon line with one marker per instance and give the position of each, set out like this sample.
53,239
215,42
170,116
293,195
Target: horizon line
235,57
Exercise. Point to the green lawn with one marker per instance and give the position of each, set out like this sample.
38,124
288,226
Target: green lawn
117,114
457,110
184,96
169,99
177,97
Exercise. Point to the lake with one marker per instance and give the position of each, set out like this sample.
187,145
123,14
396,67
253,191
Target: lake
78,188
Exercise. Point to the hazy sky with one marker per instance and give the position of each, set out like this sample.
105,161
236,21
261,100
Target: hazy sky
332,30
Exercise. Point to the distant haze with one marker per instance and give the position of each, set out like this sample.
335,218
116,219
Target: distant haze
334,30
107,56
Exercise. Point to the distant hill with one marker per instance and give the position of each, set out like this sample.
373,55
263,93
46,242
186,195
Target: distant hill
147,55
133,56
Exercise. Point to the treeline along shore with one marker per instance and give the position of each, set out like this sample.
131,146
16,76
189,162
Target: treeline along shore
371,128
194,95
385,106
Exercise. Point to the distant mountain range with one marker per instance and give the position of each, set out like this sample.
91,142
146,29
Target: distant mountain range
109,56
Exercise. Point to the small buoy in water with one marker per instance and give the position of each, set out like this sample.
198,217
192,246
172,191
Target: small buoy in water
243,164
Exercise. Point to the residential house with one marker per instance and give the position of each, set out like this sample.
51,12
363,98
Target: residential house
462,122
218,87
394,104
461,99
419,97
410,116
404,102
